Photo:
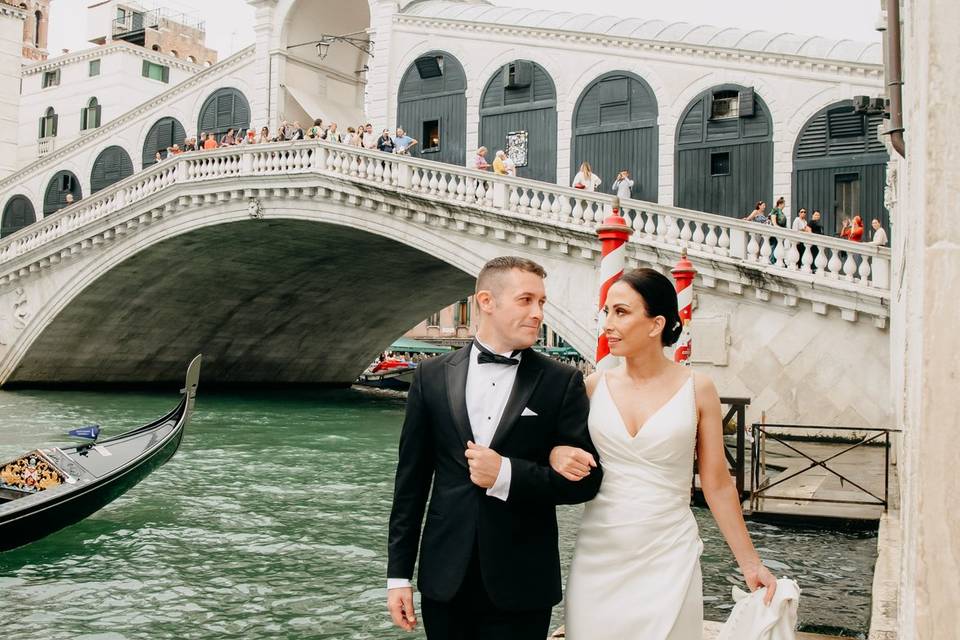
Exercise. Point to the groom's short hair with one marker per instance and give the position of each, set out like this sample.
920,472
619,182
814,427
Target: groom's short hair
502,265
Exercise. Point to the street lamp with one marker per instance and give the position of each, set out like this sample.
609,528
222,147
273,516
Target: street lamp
326,41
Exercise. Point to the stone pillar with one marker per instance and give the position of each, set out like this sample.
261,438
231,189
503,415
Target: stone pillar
11,36
926,287
380,103
266,83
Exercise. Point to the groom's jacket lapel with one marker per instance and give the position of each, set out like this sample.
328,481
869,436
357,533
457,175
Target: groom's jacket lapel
456,381
528,375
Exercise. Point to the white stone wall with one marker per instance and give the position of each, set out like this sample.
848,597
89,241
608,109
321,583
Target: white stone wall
119,88
793,88
924,318
796,367
11,46
181,101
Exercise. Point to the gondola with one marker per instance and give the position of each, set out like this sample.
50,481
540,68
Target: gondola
46,490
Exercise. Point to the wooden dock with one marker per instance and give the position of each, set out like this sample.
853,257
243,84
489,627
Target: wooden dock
813,495
798,499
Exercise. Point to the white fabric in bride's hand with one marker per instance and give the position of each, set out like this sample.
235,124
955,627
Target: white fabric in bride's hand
752,620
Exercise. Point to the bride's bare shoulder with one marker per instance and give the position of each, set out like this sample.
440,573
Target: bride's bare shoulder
591,382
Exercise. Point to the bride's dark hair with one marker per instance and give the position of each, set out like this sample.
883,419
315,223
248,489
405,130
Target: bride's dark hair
659,299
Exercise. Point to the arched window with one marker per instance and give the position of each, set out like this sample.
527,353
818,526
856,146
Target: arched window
164,133
724,152
840,167
615,129
17,214
112,165
192,59
432,107
155,47
518,113
225,109
90,115
38,16
62,184
174,53
48,124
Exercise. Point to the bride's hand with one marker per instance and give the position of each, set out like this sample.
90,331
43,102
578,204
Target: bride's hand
757,576
572,463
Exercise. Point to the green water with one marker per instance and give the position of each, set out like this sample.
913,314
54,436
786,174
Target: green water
271,522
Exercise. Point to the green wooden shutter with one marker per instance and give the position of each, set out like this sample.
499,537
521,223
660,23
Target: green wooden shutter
166,74
55,119
746,99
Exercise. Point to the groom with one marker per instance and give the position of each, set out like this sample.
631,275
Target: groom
479,427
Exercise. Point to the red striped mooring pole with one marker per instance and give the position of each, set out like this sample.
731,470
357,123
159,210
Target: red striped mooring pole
613,233
683,274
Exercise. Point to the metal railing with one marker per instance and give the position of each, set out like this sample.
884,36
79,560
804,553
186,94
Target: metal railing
735,420
760,484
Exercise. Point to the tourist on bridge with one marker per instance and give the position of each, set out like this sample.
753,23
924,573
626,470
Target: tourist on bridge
586,179
209,141
856,229
480,424
332,134
623,185
879,235
315,132
778,219
480,160
800,222
402,143
385,143
296,132
500,162
369,137
759,214
228,139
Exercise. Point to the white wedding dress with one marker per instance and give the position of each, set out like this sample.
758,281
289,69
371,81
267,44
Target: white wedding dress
636,567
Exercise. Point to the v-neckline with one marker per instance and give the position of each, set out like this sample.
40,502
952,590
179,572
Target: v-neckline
623,423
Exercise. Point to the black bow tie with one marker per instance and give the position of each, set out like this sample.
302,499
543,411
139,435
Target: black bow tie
486,356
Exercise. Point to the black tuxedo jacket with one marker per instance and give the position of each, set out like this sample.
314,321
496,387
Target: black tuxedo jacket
516,539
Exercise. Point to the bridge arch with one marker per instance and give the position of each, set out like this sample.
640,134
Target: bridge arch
113,164
164,133
315,279
224,109
521,96
724,152
17,214
615,128
62,184
432,101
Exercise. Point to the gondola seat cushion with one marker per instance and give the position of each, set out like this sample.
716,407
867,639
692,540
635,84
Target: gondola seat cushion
30,473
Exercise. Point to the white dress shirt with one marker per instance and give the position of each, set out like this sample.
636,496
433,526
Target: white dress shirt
488,389
799,224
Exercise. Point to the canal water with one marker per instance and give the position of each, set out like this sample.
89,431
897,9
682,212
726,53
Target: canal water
271,522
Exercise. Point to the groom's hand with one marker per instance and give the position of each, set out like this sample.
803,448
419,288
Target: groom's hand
400,605
484,465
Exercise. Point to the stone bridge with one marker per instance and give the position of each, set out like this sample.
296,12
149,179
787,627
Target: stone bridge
298,262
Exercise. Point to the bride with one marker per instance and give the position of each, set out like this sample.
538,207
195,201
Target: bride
636,566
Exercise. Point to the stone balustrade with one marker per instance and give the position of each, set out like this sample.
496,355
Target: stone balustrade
804,258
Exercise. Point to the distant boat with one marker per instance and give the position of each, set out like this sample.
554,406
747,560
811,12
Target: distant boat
389,374
46,490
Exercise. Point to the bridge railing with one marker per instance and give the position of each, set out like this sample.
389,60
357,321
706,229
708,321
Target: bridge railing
806,256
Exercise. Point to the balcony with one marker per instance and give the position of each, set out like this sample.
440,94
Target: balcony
45,146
